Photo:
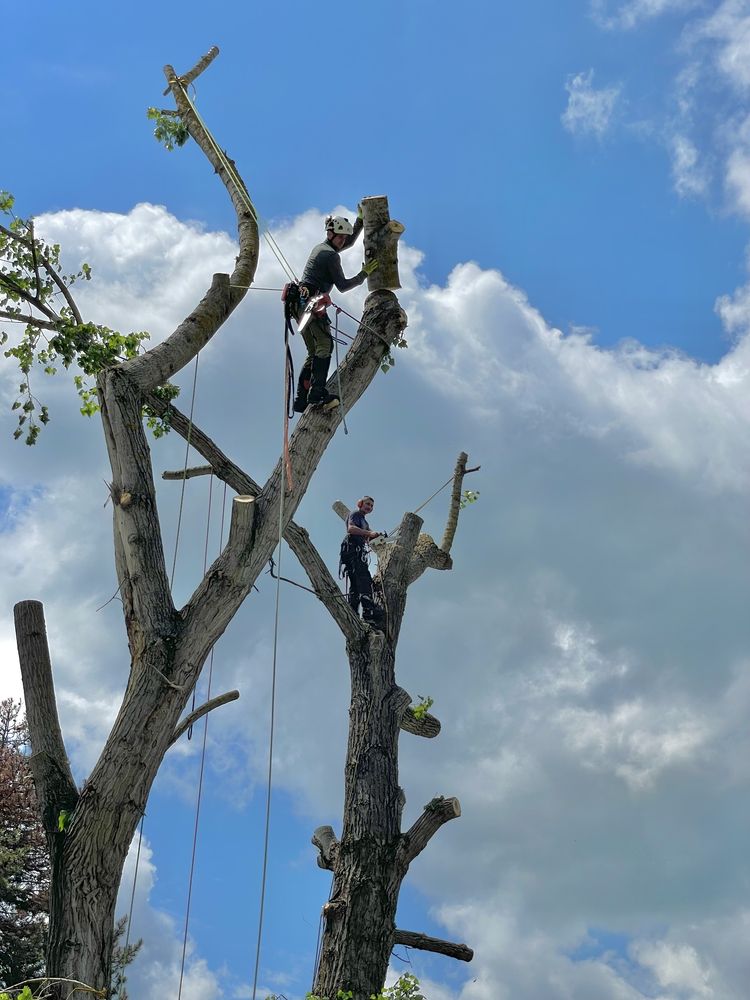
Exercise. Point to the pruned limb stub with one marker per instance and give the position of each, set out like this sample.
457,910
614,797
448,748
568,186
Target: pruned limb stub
436,813
327,843
381,236
424,942
204,709
197,470
427,726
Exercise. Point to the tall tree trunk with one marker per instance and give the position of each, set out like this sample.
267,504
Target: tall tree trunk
373,856
369,868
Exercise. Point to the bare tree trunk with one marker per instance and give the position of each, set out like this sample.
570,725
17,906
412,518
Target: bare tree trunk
360,924
373,856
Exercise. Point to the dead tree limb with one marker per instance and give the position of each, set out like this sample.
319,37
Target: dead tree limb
424,943
204,709
197,470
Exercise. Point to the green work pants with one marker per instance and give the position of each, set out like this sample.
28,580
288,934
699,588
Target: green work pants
317,338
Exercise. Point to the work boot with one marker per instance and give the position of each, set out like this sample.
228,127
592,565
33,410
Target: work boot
318,393
303,387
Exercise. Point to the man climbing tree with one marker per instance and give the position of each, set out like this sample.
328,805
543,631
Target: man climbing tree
354,562
322,271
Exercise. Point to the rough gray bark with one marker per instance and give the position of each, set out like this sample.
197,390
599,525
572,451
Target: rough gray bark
373,855
168,646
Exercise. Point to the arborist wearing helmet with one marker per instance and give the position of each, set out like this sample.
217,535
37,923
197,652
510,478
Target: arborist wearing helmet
322,271
354,563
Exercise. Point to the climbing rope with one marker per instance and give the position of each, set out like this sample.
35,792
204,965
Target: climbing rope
239,185
272,720
135,879
199,795
338,370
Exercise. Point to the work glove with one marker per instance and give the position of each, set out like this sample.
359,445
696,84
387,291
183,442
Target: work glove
359,210
369,266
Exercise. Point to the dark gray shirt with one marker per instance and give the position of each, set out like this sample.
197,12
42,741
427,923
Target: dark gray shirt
323,270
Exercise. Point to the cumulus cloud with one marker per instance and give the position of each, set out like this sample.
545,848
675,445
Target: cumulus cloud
690,178
156,971
589,110
631,13
586,655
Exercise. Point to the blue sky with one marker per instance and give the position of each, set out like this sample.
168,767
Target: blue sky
575,184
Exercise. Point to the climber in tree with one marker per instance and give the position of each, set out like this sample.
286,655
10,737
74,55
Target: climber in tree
354,562
322,271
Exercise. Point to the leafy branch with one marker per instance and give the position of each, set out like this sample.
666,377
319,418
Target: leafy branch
170,130
54,334
422,707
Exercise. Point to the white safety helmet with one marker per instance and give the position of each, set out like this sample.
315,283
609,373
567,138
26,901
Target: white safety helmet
338,225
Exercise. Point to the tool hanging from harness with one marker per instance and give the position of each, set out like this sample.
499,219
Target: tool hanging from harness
348,552
292,299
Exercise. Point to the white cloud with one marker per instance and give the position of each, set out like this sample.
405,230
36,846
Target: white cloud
738,180
631,13
481,340
675,966
690,178
589,111
585,655
155,973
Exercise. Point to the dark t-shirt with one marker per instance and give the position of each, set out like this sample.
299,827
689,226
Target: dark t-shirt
358,519
323,270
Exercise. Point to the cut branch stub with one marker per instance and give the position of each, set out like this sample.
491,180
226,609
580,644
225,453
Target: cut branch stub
423,942
436,813
328,846
381,236
241,525
427,726
196,470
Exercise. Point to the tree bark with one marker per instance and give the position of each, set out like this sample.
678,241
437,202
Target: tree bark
373,856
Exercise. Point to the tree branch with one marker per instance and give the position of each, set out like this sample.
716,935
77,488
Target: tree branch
455,506
436,813
223,467
160,363
424,943
43,324
31,245
198,470
33,300
187,78
322,582
204,709
53,778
